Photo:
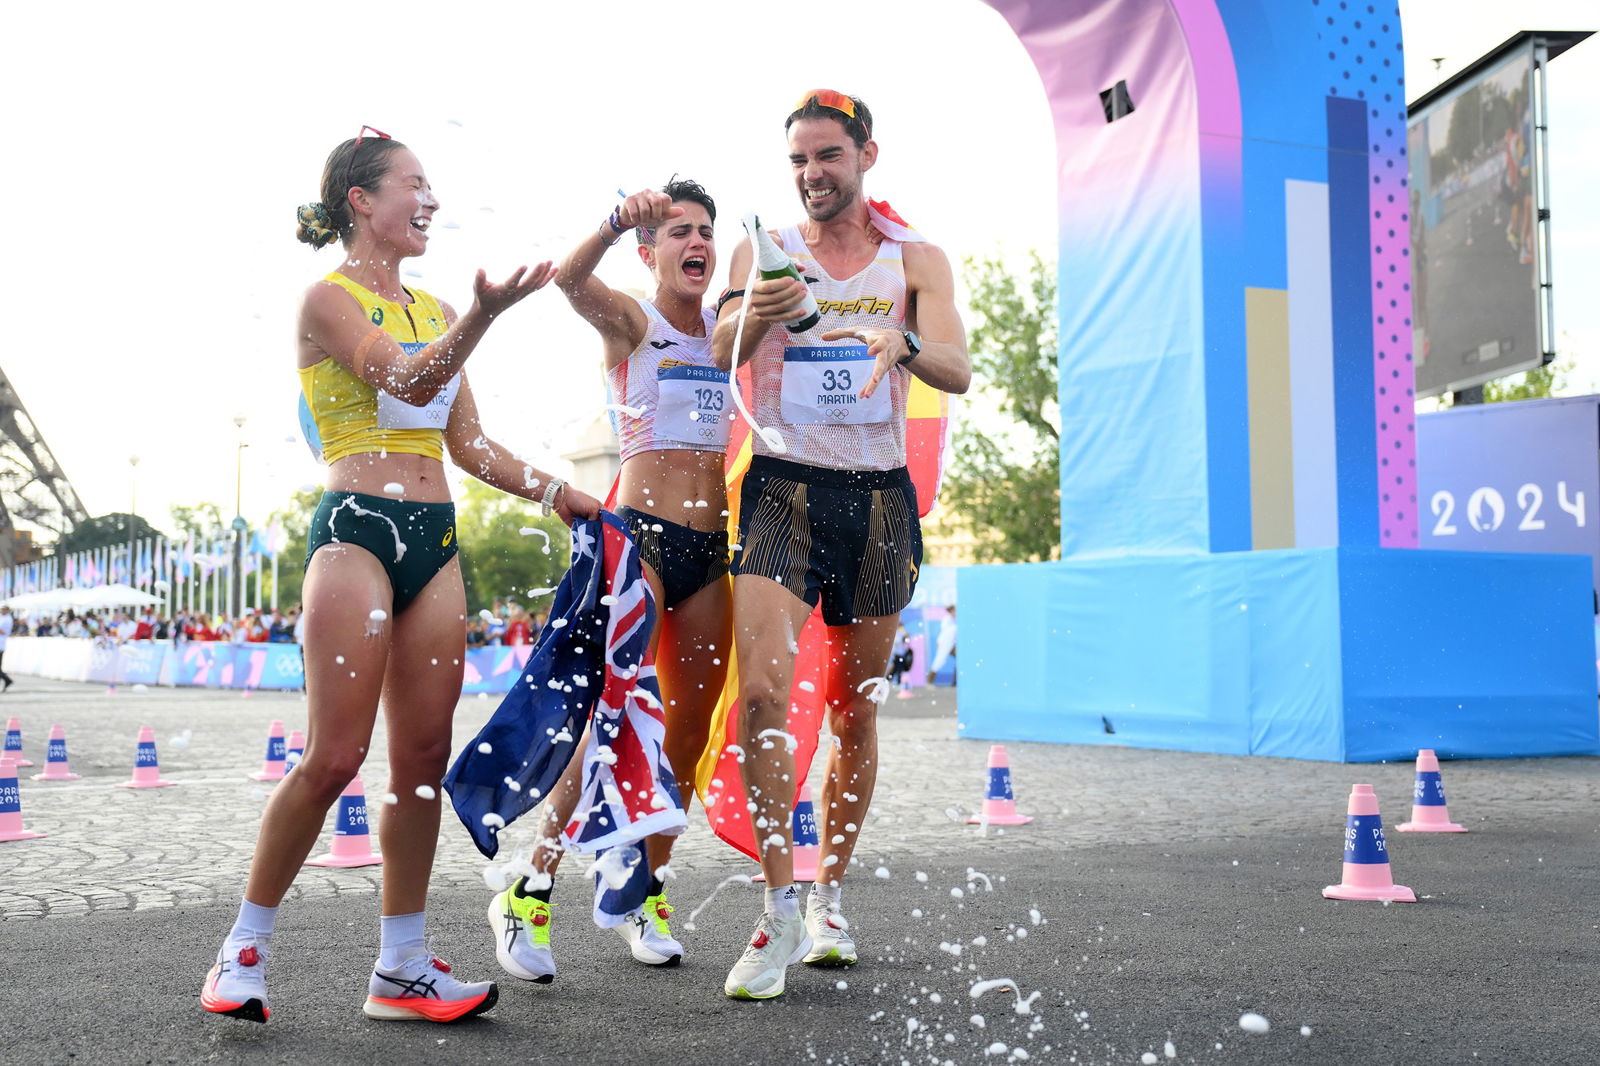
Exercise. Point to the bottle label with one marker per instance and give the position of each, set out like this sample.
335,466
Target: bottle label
693,405
822,386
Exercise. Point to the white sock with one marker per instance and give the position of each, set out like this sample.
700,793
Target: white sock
400,937
829,894
783,902
254,925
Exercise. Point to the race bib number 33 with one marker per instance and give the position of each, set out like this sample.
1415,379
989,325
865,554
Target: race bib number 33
692,405
821,386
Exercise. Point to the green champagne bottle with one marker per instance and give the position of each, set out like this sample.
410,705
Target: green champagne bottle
772,262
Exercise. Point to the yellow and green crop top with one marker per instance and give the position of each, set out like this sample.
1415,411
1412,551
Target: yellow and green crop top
351,416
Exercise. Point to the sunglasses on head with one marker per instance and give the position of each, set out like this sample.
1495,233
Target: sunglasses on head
828,98
350,169
833,100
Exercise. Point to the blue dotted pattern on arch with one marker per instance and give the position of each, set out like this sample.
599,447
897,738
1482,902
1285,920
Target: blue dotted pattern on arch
1364,57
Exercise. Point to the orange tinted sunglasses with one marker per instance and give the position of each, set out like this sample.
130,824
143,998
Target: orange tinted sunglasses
829,98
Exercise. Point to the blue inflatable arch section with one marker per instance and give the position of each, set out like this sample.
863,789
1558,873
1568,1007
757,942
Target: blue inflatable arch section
1239,567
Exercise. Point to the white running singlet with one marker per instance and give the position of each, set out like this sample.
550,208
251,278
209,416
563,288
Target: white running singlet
681,396
808,387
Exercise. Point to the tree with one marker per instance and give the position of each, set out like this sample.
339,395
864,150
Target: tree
106,531
201,520
295,518
1006,481
498,558
1549,379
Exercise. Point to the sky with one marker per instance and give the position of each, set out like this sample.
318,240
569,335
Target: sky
160,151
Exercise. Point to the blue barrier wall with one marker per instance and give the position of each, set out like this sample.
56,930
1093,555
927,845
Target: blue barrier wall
1344,654
197,664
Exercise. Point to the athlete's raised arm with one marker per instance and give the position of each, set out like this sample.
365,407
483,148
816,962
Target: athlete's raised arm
615,315
332,322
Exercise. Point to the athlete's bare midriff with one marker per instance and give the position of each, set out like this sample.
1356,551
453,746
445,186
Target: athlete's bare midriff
672,483
421,478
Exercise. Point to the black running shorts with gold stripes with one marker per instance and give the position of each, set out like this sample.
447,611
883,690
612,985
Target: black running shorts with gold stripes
850,538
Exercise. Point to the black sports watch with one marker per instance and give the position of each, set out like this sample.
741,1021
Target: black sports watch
913,344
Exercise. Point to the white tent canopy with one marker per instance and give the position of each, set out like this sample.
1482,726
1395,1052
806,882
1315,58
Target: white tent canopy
89,599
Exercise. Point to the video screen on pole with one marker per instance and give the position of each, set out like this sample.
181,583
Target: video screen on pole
1475,291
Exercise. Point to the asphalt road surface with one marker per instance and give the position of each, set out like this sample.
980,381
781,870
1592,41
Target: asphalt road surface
1156,898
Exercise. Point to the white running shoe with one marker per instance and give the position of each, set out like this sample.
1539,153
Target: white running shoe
831,944
237,985
649,935
778,943
421,989
521,927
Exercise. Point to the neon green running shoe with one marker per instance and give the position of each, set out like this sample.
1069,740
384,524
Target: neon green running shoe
521,927
831,943
649,934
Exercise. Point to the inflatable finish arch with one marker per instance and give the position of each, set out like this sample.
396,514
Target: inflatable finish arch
1238,465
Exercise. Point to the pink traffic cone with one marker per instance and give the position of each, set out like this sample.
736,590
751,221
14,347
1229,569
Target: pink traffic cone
56,767
352,842
146,766
272,765
1366,856
13,749
999,808
806,841
297,750
11,827
1429,813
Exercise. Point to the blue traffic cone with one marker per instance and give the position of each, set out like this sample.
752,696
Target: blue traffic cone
999,808
807,842
297,750
272,766
56,766
11,827
1429,814
1366,855
352,838
13,749
146,764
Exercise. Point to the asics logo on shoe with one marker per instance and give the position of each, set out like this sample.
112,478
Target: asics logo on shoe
422,988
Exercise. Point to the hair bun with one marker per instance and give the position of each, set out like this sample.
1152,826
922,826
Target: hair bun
316,227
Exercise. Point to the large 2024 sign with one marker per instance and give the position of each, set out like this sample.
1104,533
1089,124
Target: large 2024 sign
1519,477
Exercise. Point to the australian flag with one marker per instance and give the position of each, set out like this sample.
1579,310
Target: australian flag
591,663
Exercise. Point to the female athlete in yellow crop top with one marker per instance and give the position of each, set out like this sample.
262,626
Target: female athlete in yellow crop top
382,373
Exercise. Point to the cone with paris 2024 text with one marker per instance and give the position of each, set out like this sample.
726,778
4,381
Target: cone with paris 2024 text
11,827
999,806
1429,813
146,764
806,841
272,764
297,750
352,837
13,749
1366,856
56,765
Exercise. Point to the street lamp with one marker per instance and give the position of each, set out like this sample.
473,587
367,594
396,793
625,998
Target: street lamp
236,586
133,510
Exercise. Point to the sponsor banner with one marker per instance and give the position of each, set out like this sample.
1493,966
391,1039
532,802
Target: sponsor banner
197,664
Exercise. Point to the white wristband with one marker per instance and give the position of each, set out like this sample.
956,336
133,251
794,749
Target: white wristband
547,501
